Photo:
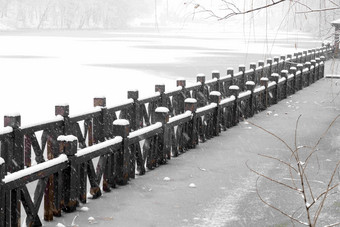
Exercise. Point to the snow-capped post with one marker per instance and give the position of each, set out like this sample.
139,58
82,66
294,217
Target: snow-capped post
284,74
201,95
288,61
235,91
242,68
161,89
191,105
296,59
121,127
215,97
318,71
102,128
70,176
253,74
216,74
134,124
14,152
270,63
264,82
275,77
309,55
250,85
307,65
300,57
292,70
304,56
261,65
230,71
100,123
64,111
300,69
283,57
314,73
163,149
322,70
278,67
179,108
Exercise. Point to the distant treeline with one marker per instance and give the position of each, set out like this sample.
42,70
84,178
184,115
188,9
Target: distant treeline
71,14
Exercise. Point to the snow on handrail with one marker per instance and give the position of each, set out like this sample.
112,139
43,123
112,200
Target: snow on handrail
108,143
57,118
145,130
36,168
271,84
179,88
227,100
259,89
243,94
6,130
180,116
207,107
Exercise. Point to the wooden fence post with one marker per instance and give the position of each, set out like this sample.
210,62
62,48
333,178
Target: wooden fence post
313,77
191,105
102,128
242,68
284,74
163,149
270,63
69,145
215,97
230,71
161,89
292,70
235,91
253,76
16,162
179,108
323,59
264,82
121,128
278,67
216,74
54,190
300,68
134,95
275,77
308,79
250,87
318,71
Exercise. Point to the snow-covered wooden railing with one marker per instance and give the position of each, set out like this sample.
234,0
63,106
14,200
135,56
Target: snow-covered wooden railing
197,113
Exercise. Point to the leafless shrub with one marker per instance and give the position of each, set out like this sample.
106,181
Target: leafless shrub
297,166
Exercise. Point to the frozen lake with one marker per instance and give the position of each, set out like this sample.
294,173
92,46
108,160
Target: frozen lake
43,68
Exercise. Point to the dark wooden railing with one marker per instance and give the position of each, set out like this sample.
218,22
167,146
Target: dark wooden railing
169,123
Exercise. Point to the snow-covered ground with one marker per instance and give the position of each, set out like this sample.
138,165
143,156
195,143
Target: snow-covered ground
40,69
